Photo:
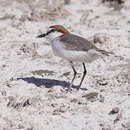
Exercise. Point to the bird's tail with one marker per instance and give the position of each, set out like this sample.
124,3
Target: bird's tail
110,54
106,52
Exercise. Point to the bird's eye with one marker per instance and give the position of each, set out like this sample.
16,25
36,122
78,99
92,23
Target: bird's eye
51,30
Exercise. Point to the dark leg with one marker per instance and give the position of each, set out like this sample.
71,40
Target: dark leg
84,74
71,84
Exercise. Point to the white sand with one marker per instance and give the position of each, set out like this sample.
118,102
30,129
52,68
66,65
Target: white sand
32,95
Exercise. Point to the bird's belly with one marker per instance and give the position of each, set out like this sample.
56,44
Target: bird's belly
73,55
79,56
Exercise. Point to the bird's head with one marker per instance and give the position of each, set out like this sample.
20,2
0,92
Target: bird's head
54,31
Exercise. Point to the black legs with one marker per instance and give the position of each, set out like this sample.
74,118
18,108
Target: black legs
73,76
84,74
71,84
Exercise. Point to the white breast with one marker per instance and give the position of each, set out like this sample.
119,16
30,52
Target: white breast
57,47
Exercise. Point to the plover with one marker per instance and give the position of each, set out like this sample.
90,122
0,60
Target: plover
72,48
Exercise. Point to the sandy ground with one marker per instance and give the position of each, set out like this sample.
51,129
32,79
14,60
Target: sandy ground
33,80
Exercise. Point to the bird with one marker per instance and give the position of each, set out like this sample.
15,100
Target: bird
72,48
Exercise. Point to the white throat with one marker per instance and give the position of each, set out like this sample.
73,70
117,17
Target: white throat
53,35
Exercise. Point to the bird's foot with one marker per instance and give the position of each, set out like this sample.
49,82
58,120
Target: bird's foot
71,87
77,87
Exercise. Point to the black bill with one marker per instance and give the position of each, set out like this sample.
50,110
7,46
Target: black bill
45,34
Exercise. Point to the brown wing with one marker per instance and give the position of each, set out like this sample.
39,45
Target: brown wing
74,42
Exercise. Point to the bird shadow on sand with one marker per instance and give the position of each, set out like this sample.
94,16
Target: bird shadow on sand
48,83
